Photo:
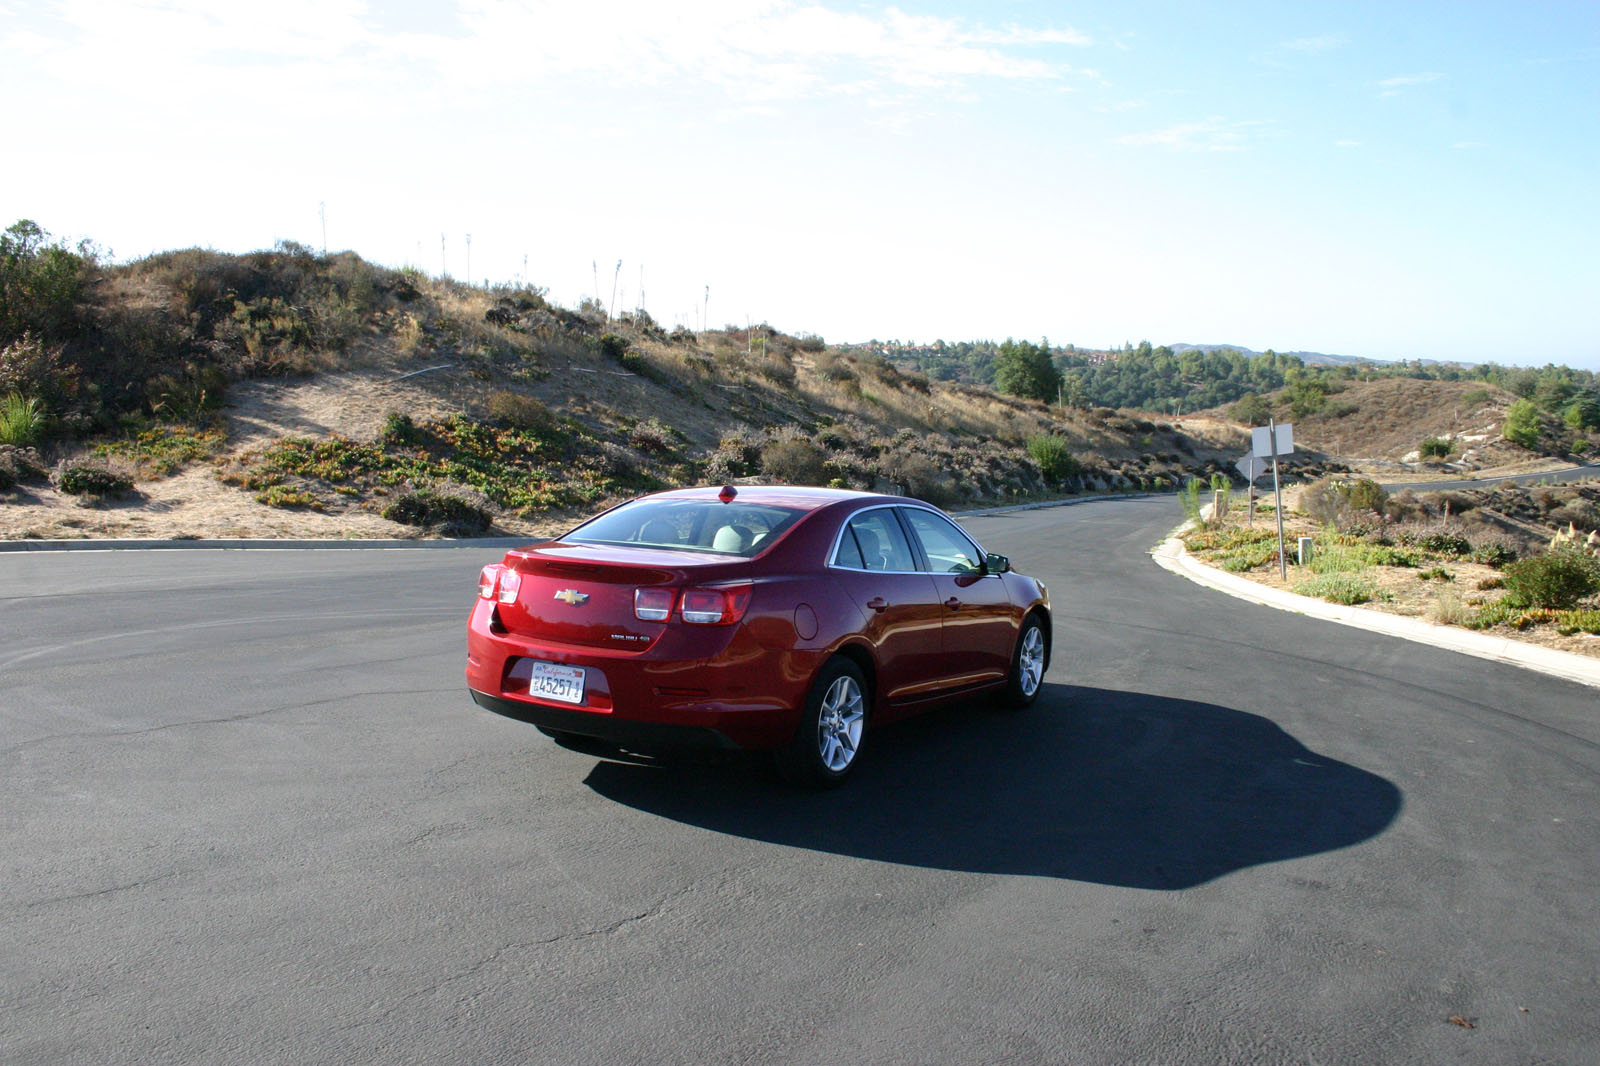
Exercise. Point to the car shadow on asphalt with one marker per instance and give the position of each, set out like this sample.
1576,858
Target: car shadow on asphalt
1115,788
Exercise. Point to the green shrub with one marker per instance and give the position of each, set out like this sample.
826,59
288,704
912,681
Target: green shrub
288,498
810,342
521,412
41,283
1438,542
1556,580
1569,623
1435,573
1435,448
21,420
1522,424
1338,588
1494,553
162,449
446,510
88,477
399,428
1189,498
1054,456
612,345
1252,410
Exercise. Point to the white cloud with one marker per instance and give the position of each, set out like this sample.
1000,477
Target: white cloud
1392,86
753,51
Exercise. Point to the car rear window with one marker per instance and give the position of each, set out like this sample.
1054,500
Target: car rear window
689,525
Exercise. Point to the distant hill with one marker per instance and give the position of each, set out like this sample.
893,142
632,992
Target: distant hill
1315,358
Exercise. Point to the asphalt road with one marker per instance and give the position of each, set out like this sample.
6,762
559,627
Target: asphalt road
1576,473
251,816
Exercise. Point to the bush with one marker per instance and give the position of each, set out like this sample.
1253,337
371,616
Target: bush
613,346
1494,553
1338,588
41,284
651,436
1054,456
400,428
19,464
1522,424
1337,503
1437,541
288,498
1435,448
1556,580
832,367
448,510
517,411
794,461
920,478
85,477
21,420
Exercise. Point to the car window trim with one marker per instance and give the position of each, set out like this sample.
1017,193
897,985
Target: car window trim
844,527
913,541
977,548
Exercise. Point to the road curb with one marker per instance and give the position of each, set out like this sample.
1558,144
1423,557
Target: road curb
1172,555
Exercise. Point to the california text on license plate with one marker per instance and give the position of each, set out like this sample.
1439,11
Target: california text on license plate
555,682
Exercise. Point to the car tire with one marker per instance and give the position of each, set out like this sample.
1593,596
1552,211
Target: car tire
1028,664
827,744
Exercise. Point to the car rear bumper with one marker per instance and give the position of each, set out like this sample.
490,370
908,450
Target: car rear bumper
625,733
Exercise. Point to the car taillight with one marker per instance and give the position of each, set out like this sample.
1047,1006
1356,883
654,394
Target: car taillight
489,581
716,606
652,605
510,583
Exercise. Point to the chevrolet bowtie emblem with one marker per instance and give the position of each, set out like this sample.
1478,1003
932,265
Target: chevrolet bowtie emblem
573,597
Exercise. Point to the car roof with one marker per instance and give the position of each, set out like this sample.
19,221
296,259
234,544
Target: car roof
798,497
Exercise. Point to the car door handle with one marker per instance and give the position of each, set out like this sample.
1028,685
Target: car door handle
879,604
953,603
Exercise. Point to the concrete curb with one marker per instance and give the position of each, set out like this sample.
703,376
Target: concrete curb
1172,555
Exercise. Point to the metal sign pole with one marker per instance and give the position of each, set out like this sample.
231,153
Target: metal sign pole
1277,498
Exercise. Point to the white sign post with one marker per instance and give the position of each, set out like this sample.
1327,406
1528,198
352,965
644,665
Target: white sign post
1271,441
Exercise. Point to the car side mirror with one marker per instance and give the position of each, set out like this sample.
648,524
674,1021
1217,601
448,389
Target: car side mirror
996,564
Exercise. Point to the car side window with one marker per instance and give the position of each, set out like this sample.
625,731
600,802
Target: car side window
947,548
876,543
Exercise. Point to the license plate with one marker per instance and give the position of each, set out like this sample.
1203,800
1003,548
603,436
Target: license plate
552,681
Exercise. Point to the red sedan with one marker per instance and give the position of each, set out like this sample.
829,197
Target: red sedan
763,617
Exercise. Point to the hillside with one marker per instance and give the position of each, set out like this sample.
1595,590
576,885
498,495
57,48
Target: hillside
200,394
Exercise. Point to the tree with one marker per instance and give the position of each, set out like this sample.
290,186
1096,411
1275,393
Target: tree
1584,413
1252,410
40,283
1023,368
1522,424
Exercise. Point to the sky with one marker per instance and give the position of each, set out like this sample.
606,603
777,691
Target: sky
1388,180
